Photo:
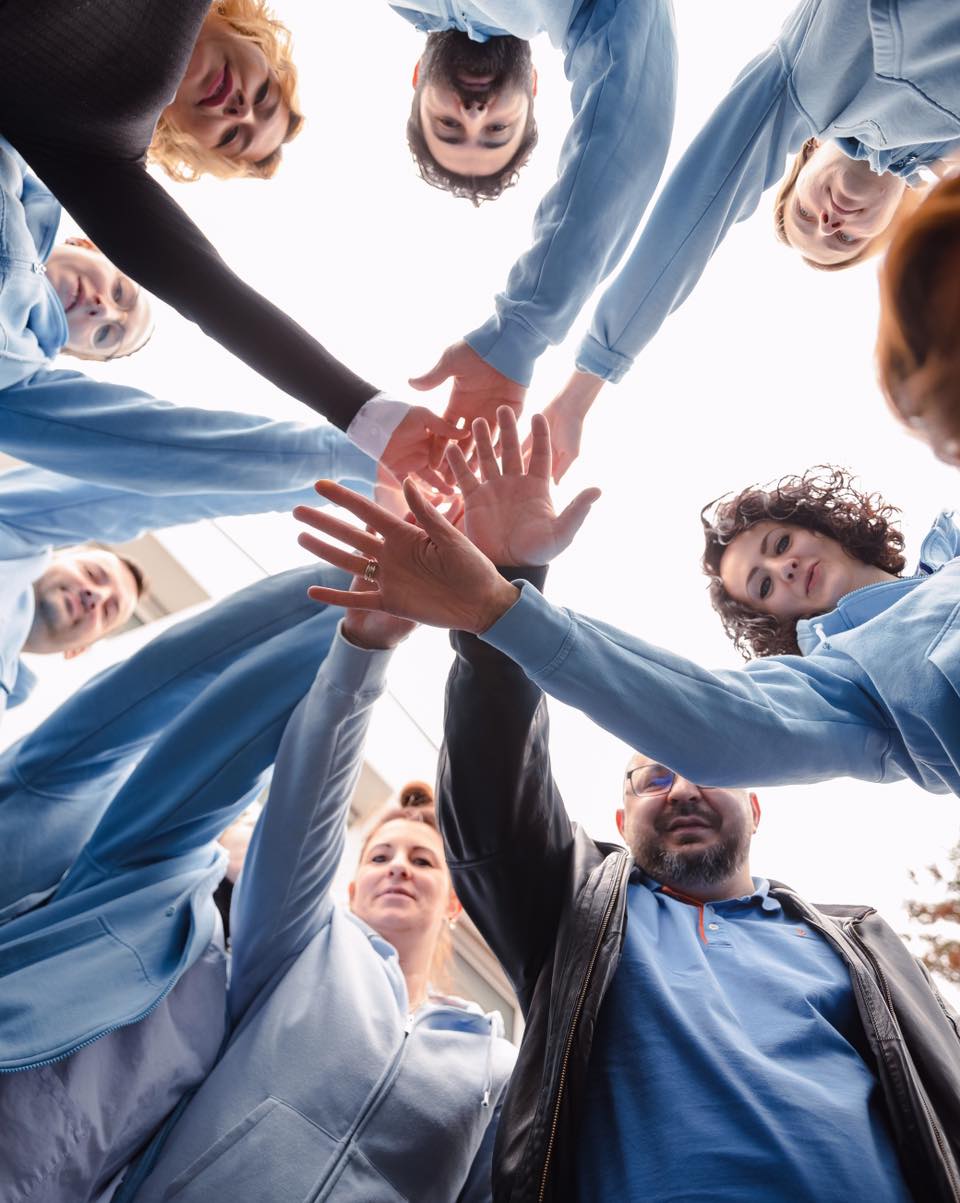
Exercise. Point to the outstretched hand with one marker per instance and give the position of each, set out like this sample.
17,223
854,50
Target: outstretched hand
428,572
508,513
566,414
412,447
478,389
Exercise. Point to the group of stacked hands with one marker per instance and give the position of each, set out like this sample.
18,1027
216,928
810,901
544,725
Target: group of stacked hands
691,1032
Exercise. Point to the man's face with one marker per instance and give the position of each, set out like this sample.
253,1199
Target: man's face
474,99
683,834
84,594
108,315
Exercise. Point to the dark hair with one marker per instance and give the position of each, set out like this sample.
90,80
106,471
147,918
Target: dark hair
476,188
139,576
415,794
824,500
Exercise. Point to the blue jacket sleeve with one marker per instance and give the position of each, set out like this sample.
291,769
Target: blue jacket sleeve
622,66
282,897
719,180
780,721
120,436
41,509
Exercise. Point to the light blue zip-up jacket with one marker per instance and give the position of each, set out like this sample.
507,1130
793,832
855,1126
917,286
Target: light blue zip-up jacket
113,434
621,61
42,510
329,1088
875,695
881,77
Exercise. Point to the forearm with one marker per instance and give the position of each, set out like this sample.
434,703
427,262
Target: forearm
279,900
773,724
123,437
622,69
500,811
719,180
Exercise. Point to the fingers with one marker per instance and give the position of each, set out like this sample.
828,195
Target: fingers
436,425
511,457
333,555
541,456
360,540
434,523
486,457
462,475
436,375
561,462
431,477
572,518
346,597
367,511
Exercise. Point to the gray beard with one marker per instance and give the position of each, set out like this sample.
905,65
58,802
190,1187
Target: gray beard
698,867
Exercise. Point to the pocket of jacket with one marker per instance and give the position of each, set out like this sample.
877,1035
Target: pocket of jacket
273,1153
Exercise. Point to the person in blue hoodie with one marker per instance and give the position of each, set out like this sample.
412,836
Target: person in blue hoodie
471,128
70,298
863,94
873,694
346,1075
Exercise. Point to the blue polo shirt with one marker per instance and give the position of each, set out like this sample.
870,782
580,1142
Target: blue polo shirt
727,1064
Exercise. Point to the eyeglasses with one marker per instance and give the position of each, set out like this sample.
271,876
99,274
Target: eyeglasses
648,779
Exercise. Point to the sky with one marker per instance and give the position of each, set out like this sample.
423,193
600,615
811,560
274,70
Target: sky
766,369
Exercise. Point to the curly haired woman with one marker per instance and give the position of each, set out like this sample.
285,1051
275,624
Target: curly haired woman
809,565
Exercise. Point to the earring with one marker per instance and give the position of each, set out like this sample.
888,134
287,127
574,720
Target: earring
452,924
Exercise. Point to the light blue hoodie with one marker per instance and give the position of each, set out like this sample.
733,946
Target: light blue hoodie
875,695
330,1087
113,434
881,77
621,61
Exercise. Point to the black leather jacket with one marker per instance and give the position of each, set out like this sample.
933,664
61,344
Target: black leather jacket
551,902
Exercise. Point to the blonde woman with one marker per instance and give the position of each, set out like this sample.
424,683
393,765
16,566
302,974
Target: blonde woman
347,1076
87,92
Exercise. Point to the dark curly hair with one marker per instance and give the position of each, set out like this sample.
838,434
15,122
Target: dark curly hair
476,188
824,500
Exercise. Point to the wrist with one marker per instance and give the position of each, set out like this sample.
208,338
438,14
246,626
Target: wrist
356,637
501,597
583,389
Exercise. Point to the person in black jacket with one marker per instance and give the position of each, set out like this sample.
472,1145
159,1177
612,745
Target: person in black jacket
81,89
692,1032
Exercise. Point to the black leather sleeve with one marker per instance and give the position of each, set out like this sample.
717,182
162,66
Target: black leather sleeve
507,835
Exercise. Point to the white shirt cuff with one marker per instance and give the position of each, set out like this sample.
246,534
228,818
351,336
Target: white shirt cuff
374,423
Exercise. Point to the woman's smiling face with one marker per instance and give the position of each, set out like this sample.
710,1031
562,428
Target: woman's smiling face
838,205
230,99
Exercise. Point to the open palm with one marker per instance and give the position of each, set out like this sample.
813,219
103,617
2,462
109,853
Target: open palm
508,511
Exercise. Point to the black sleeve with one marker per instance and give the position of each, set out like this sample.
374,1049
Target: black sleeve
145,233
507,835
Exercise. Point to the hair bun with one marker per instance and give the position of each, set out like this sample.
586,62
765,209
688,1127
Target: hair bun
416,793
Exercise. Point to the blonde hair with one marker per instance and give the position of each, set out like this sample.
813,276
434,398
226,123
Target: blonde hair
908,203
416,805
179,154
918,358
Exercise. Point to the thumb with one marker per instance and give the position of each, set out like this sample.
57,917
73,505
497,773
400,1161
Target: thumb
436,375
436,425
574,515
434,523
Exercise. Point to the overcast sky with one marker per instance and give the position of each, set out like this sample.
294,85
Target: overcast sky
767,369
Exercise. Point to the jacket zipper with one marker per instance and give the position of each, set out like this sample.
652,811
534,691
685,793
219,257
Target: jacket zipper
568,1046
386,1081
945,1155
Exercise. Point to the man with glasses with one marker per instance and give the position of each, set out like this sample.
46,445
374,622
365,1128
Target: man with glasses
692,1032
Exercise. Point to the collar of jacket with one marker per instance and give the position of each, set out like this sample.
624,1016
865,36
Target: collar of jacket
941,544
